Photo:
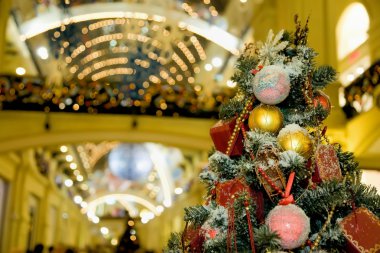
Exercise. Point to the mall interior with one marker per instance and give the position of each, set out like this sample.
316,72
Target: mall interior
106,108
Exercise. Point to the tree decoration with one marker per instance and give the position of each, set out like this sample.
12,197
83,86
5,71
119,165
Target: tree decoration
324,227
266,118
227,135
308,92
326,164
267,158
362,230
269,52
293,137
291,224
321,99
271,85
268,171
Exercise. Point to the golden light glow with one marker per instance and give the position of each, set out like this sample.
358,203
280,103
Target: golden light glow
112,72
186,51
182,65
101,64
122,198
201,52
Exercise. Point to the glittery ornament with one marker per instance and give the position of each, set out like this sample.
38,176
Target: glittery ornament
293,137
271,85
267,118
290,223
327,164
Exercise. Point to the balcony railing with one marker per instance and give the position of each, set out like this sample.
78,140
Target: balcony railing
22,93
363,93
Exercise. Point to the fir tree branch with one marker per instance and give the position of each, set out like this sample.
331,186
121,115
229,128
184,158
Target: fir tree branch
174,244
197,215
322,76
266,240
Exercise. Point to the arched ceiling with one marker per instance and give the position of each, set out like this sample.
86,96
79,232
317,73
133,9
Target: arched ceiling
164,57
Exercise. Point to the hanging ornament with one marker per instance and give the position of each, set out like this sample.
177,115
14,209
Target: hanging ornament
271,85
227,135
362,231
267,118
326,164
290,223
320,98
193,239
307,91
293,137
268,171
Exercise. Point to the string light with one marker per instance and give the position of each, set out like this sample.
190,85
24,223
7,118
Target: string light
182,65
111,72
101,64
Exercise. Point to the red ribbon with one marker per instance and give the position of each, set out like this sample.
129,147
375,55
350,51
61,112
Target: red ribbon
250,229
287,197
231,229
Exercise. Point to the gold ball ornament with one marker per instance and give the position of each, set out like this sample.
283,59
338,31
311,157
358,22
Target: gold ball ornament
267,118
293,137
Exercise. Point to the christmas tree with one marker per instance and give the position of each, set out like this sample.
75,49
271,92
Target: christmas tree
274,181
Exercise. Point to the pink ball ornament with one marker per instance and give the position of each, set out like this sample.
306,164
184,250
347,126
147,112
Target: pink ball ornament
271,85
291,224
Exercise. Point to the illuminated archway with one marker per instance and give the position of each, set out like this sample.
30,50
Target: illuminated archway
352,28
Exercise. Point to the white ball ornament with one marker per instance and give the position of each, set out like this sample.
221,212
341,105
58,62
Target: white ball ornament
271,85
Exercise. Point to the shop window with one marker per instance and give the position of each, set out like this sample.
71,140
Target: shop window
352,28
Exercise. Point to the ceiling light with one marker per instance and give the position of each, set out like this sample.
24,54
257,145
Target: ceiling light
114,241
159,209
95,219
63,149
78,199
350,77
104,230
167,203
231,84
113,43
208,67
73,166
43,53
84,204
69,158
243,1
20,71
360,70
217,62
79,178
69,182
111,201
178,190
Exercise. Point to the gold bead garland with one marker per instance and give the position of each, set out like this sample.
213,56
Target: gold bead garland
324,227
237,127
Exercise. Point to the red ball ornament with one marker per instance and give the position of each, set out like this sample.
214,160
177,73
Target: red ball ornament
290,223
320,98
